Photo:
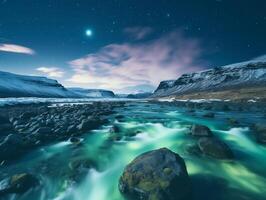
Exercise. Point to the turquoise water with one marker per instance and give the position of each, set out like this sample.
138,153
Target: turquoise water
157,126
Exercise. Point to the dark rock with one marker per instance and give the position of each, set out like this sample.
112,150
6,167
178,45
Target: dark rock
215,148
260,133
200,131
75,140
11,147
233,121
115,129
6,128
209,115
43,130
120,117
3,119
193,149
115,133
90,124
27,115
80,164
71,129
18,183
44,134
156,175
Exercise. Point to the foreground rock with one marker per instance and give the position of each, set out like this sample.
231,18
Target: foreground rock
156,175
18,184
200,131
215,148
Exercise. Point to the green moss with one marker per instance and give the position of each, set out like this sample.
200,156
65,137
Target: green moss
154,196
167,171
147,185
164,184
17,177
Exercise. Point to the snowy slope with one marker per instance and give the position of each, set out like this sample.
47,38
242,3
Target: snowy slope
93,93
244,74
13,85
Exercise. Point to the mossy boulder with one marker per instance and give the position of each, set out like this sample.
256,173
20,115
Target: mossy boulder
156,175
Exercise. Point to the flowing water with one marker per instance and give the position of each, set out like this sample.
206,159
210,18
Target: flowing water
157,126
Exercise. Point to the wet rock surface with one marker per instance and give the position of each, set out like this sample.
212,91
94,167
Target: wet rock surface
25,127
200,131
18,183
215,148
208,144
85,145
156,175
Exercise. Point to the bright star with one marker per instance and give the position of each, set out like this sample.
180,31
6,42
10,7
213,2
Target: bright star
89,32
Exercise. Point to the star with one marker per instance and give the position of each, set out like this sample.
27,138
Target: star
89,32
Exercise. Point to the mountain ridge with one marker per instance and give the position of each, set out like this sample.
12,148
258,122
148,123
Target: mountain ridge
239,75
15,85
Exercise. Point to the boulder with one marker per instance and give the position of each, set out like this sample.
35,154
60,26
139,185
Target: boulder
75,140
156,175
200,131
18,183
115,133
260,133
215,148
90,124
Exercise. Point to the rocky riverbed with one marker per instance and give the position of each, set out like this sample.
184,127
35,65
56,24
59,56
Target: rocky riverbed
142,150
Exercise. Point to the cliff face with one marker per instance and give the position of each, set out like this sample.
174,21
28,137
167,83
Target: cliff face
246,74
13,85
93,93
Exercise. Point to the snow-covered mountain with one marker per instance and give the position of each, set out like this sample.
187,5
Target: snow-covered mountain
239,75
93,93
13,85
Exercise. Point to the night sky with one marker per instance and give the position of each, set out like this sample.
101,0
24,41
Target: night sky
128,42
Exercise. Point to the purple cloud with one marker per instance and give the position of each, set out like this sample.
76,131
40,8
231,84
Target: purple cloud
16,49
117,66
137,32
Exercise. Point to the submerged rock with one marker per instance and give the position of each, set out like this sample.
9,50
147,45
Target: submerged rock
232,121
200,130
215,148
75,140
193,149
156,175
18,183
209,115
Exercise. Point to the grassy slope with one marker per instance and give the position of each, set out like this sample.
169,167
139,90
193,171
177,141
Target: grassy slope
232,94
